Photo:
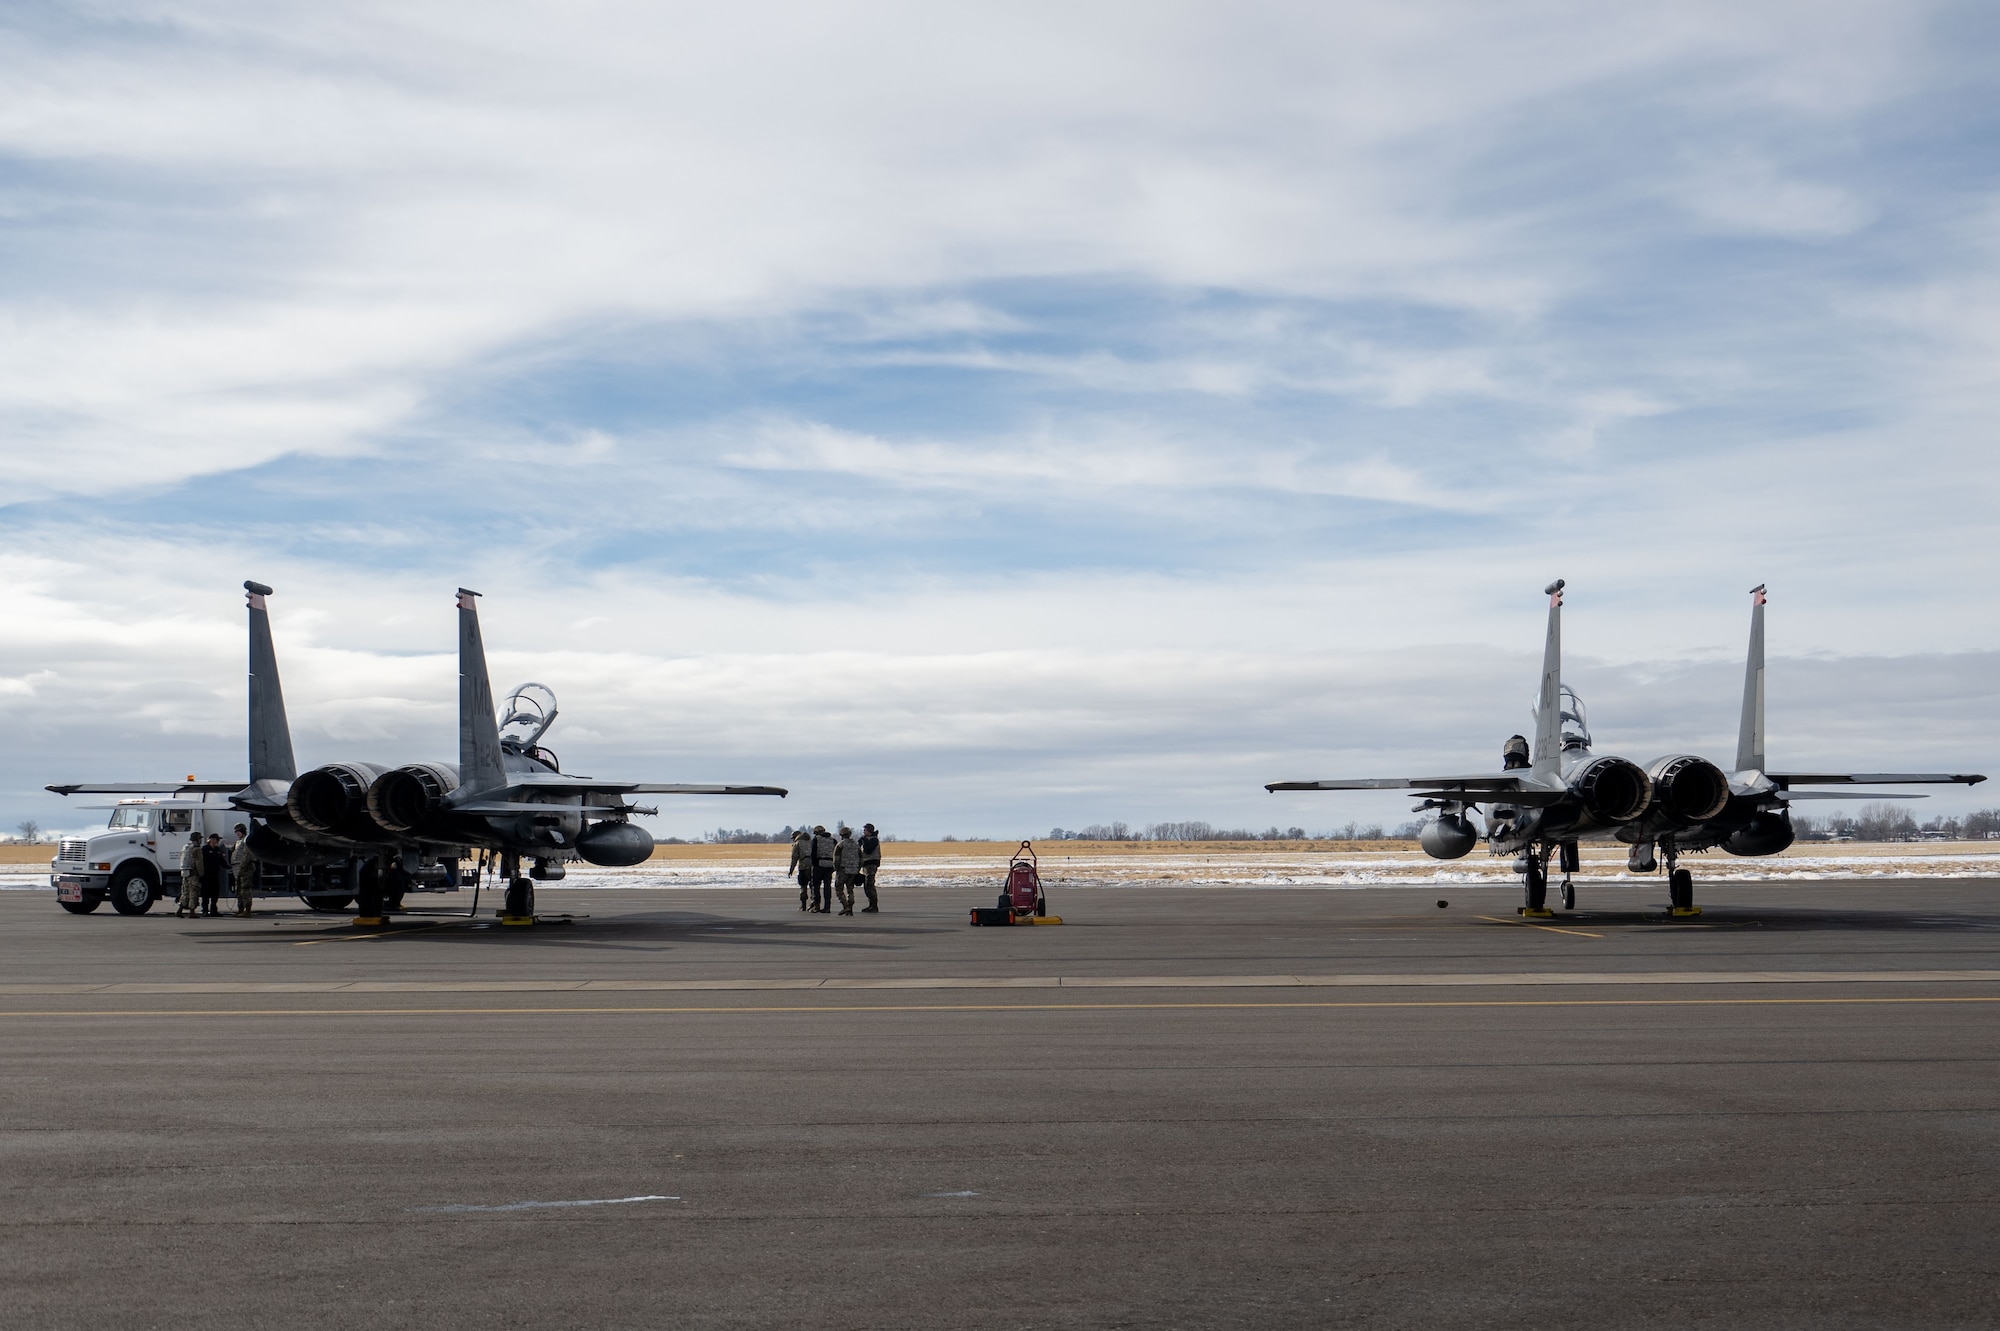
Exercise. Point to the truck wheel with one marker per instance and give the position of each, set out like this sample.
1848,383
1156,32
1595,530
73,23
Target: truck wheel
133,889
327,903
81,907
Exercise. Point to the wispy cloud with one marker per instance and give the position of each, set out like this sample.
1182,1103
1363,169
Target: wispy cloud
982,410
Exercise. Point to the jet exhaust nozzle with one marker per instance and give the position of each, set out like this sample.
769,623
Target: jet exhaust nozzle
616,844
333,800
1615,790
1448,836
1688,790
1765,834
406,799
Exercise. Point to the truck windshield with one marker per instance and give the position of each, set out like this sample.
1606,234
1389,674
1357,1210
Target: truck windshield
129,817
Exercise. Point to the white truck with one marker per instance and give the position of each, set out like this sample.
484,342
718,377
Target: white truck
136,859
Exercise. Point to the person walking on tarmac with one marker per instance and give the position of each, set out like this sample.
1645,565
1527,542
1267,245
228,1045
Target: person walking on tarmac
871,862
802,866
242,870
847,868
190,903
822,886
214,873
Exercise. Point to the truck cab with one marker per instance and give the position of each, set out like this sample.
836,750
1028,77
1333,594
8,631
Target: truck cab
136,859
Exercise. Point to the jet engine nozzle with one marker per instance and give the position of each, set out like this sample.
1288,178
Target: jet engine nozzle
1448,836
333,800
1614,790
409,797
1688,790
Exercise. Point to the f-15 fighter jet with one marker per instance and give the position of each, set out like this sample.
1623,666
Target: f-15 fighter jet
1544,801
507,794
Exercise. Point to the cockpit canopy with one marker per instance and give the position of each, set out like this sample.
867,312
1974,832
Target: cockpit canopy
1575,728
524,718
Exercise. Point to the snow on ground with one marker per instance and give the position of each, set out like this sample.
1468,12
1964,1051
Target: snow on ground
1249,868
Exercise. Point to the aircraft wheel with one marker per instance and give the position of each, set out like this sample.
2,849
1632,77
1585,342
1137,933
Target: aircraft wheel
1041,905
81,907
326,903
1536,884
1569,897
1680,889
132,890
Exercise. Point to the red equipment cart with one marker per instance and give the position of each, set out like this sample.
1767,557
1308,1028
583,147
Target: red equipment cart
1022,901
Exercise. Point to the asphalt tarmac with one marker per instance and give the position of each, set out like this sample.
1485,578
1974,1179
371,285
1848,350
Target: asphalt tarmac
1182,1108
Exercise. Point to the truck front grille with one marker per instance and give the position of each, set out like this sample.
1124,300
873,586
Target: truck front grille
70,848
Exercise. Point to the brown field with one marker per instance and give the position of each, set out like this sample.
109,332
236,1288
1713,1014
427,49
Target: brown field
1000,850
997,852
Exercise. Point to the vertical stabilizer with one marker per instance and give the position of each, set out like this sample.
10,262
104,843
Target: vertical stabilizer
479,766
1750,732
1548,702
270,732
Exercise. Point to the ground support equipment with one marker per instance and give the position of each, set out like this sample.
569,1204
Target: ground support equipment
1022,900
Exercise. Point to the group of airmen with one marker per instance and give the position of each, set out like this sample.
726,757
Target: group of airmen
208,866
829,866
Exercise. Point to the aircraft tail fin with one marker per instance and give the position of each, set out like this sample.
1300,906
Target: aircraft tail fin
479,764
1750,731
1548,702
270,733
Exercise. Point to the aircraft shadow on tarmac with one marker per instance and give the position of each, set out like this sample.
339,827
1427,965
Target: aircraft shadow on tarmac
1787,919
630,931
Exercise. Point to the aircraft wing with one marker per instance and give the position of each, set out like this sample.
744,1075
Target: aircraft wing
504,806
1794,796
148,787
1480,788
1784,779
553,781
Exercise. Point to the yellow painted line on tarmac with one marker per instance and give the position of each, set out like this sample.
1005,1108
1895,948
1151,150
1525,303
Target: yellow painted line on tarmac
1530,924
1003,1007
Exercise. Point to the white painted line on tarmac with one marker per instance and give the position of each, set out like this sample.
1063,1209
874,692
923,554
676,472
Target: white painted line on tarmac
1359,979
536,1206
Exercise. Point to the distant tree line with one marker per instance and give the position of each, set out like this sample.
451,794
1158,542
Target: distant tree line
1200,831
742,836
1884,821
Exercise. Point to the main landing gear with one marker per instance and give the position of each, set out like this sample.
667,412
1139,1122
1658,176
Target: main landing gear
519,906
1535,884
1535,878
364,882
1680,882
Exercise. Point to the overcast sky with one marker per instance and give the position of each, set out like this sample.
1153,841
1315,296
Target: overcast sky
979,418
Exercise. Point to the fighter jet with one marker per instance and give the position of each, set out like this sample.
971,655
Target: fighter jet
327,860
1544,801
506,796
